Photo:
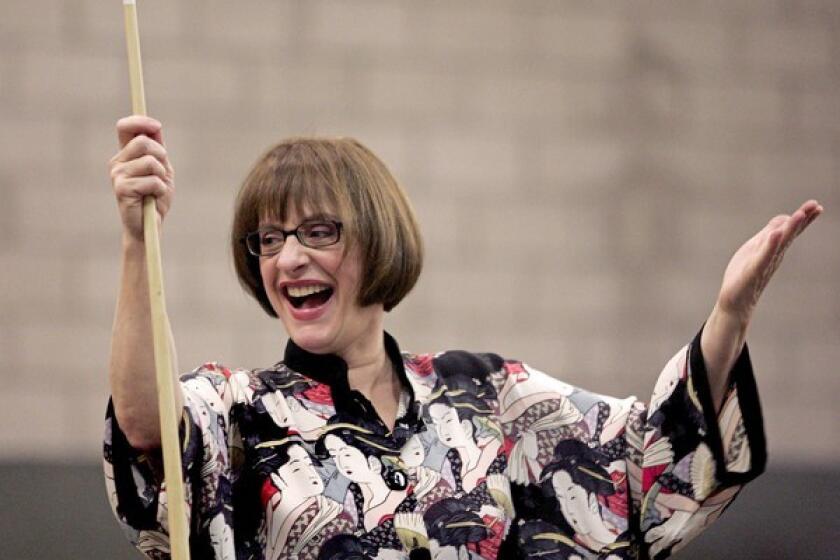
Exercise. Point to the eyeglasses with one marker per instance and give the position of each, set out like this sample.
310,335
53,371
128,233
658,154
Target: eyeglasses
269,241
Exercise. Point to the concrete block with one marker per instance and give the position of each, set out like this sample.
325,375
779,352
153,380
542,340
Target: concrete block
564,38
262,28
361,25
582,164
73,81
193,84
790,48
63,347
29,148
457,28
35,424
730,106
28,25
314,85
819,108
691,46
473,161
414,93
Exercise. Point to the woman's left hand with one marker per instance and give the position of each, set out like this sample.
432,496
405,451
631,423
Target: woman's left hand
745,278
752,266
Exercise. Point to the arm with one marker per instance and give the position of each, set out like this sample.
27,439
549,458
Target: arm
141,168
745,278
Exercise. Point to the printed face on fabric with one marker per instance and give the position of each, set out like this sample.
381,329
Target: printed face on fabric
451,431
314,292
297,479
580,508
351,462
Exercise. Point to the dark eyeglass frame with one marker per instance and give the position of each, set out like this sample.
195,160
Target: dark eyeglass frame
252,240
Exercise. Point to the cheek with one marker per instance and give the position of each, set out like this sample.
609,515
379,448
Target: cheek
267,273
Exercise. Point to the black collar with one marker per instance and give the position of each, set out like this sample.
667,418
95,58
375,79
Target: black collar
332,370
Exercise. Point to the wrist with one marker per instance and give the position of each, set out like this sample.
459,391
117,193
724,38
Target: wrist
132,244
729,320
723,336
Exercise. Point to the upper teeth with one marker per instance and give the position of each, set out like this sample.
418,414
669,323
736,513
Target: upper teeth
301,291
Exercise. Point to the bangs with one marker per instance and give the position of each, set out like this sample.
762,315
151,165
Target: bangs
297,178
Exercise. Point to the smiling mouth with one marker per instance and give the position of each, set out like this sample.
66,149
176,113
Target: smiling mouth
308,297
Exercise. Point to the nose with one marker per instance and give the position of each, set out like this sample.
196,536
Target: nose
292,255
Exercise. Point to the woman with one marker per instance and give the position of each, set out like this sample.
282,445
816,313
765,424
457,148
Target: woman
377,487
325,240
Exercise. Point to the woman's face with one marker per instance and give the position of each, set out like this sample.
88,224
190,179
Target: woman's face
449,428
298,476
351,462
579,509
413,453
338,325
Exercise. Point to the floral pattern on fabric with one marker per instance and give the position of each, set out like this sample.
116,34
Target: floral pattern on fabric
490,459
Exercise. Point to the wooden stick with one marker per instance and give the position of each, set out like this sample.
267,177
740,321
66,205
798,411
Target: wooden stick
169,417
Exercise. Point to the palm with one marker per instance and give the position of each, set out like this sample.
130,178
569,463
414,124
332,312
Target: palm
752,266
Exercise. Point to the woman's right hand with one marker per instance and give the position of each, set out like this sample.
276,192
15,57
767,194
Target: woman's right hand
141,168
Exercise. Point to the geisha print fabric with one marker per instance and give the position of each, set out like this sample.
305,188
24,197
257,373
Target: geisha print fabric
489,459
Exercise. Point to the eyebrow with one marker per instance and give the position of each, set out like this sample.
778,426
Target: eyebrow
316,217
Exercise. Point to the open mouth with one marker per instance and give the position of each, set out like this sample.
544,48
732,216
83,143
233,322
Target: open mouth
308,297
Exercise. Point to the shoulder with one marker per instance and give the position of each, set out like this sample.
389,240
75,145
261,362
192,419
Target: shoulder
213,380
453,363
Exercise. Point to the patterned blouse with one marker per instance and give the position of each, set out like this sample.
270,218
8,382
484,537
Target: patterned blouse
489,458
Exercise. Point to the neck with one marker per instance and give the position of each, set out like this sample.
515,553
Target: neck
368,365
369,371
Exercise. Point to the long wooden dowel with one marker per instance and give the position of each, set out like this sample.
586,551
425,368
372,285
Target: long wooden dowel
169,417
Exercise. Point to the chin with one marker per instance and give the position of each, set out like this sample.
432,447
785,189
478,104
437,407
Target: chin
314,339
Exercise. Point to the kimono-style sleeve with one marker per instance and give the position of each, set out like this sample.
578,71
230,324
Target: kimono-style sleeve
686,463
602,477
211,453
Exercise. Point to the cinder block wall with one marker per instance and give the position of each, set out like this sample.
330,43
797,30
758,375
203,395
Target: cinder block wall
582,172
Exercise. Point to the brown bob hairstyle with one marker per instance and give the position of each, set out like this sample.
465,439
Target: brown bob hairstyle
338,177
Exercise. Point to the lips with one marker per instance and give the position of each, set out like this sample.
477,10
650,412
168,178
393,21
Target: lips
307,300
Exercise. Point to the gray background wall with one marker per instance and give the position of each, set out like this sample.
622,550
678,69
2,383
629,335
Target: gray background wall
582,172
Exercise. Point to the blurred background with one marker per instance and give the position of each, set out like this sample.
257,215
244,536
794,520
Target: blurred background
582,172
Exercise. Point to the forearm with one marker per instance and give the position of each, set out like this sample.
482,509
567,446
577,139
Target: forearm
132,364
721,343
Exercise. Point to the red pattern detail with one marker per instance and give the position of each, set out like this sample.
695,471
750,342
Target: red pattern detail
421,365
650,474
267,491
507,447
617,503
319,394
489,547
514,368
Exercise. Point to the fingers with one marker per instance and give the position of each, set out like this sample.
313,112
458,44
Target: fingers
139,146
135,125
147,165
142,186
141,142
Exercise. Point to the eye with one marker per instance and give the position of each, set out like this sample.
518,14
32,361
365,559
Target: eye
319,232
270,238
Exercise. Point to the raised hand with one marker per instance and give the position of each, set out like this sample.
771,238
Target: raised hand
744,280
141,168
752,266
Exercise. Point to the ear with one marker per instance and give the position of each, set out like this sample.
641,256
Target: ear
467,426
374,464
463,553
